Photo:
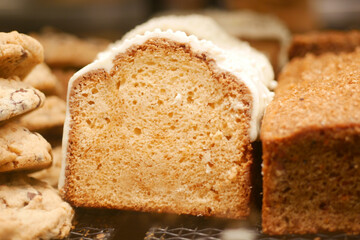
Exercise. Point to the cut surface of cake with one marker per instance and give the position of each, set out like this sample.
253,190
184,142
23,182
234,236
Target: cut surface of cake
311,155
163,122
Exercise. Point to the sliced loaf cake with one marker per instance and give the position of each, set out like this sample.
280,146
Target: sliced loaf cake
163,122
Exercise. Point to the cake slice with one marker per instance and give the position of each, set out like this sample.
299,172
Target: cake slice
163,122
311,156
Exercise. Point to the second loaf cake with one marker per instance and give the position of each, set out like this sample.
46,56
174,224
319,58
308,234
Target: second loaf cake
311,136
163,122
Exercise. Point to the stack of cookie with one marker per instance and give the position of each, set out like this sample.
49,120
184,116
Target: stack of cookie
31,208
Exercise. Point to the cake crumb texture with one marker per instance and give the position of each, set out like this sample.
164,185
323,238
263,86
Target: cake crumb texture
163,132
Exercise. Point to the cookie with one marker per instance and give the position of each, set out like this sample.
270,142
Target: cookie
17,97
44,80
19,53
21,149
51,174
66,50
32,209
50,116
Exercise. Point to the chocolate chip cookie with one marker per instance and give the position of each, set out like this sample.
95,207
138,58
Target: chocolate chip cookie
17,97
31,209
21,149
19,53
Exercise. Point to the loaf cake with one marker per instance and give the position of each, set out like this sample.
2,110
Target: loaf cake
311,156
322,42
163,122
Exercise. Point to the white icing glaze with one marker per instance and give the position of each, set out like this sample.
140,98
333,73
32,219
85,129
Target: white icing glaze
206,28
249,24
237,62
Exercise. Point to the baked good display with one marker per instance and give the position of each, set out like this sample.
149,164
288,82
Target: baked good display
19,53
204,27
42,78
17,97
49,118
163,122
264,32
67,50
23,150
311,156
31,209
51,174
318,43
299,15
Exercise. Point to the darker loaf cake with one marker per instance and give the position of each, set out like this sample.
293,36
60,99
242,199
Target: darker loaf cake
311,156
318,43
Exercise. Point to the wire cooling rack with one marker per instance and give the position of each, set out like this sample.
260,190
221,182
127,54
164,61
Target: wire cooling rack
183,233
217,234
91,233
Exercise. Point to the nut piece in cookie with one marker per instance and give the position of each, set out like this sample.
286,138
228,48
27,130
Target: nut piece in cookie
21,149
44,80
48,118
19,53
32,209
17,98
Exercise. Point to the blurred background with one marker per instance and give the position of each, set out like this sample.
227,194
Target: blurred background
112,18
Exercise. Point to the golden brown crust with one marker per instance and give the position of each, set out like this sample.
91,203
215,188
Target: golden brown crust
319,43
310,135
309,94
237,207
